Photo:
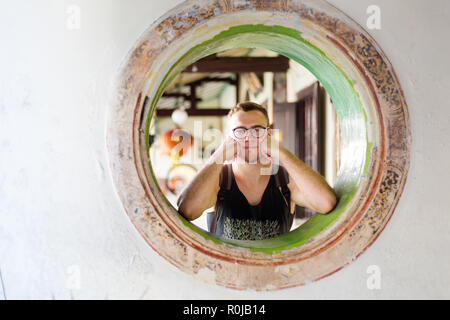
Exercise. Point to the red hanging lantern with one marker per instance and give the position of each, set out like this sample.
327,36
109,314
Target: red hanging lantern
176,140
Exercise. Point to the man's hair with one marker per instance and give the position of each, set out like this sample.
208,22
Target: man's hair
249,106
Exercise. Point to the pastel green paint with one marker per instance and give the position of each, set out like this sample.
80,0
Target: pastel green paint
368,157
288,42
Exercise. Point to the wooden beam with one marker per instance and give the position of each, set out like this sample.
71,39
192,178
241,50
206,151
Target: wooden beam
195,112
205,80
240,64
193,88
178,95
238,89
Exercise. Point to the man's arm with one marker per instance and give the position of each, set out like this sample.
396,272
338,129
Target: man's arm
308,188
201,192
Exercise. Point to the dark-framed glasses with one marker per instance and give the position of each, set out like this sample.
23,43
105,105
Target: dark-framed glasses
255,132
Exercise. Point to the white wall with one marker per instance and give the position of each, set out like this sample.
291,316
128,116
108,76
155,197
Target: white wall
58,207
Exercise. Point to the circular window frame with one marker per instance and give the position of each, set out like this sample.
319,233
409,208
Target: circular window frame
261,265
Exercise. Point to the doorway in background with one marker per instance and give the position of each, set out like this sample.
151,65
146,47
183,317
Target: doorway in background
301,131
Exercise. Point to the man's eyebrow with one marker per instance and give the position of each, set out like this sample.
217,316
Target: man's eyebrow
255,126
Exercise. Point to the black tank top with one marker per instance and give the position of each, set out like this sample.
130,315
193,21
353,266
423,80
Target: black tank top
239,220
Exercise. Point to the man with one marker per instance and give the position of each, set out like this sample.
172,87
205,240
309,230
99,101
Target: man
253,208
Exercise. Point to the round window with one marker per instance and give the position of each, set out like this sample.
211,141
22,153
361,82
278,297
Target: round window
374,137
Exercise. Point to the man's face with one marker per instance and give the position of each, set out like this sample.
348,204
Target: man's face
249,145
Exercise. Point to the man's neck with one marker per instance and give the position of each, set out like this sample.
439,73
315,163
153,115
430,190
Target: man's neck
251,173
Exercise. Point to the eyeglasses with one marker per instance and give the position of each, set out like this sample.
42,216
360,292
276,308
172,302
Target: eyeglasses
255,132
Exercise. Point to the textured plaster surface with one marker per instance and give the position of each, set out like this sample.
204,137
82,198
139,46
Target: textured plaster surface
58,206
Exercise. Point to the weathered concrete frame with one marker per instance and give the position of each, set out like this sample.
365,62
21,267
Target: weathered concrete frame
379,186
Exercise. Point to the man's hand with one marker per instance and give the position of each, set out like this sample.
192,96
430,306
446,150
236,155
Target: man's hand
269,149
227,151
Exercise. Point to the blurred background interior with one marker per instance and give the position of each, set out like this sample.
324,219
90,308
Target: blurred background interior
297,104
